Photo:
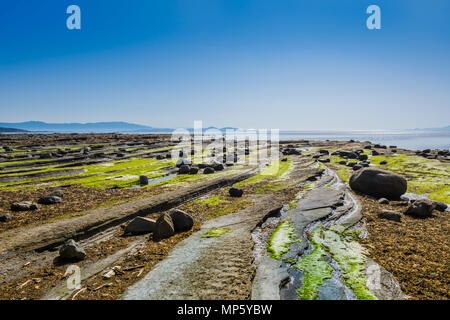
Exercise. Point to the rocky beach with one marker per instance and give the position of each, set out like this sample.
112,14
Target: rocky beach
328,220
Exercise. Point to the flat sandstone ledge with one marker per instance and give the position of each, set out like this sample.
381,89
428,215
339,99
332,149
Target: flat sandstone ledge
55,233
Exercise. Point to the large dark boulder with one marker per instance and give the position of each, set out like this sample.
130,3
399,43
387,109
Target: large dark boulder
421,208
181,220
378,183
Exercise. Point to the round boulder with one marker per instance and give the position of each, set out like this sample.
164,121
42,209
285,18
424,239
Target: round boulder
378,183
143,180
235,192
181,220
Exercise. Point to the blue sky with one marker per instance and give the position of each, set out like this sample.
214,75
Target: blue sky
292,65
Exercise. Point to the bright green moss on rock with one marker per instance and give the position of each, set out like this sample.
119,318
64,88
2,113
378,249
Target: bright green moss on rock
315,270
424,176
216,232
280,240
348,254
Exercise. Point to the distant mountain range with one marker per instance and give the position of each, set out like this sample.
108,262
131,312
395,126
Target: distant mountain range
6,130
434,129
100,127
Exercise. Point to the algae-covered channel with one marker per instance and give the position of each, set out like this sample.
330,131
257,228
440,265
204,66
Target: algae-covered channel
316,246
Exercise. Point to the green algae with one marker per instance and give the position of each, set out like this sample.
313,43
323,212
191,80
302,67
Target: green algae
280,240
315,270
424,176
212,201
348,254
275,170
216,232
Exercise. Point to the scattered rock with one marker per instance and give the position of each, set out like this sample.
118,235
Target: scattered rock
181,220
218,166
284,159
357,167
143,180
389,215
383,201
184,169
375,153
440,206
383,162
420,208
71,250
193,170
23,206
235,192
5,217
208,170
164,227
323,151
378,183
183,161
49,199
140,225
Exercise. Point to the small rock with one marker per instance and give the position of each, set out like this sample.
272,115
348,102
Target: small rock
193,170
235,192
208,170
183,161
140,225
164,227
326,160
420,208
383,201
284,159
5,217
23,206
389,215
143,180
440,206
50,200
184,169
71,250
181,220
383,162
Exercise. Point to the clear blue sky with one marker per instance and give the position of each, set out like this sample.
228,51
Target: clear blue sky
286,64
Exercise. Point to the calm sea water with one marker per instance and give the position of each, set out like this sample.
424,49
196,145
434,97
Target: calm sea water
413,140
